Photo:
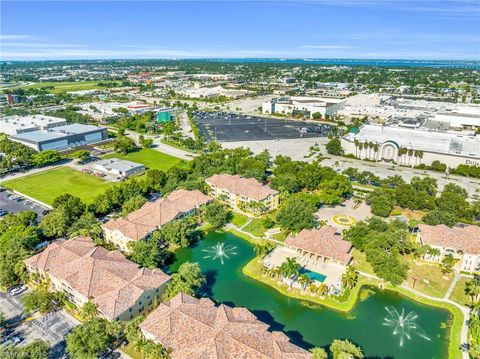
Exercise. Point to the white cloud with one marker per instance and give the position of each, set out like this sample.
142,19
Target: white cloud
4,37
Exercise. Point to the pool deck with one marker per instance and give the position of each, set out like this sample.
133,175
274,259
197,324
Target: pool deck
332,271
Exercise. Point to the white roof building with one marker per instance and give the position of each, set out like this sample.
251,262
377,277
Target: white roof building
14,125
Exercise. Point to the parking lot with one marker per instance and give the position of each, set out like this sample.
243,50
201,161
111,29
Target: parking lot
231,127
13,203
51,327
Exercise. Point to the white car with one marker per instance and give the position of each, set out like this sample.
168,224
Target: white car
11,341
17,290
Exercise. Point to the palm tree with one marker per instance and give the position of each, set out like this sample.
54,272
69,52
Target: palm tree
410,154
376,146
356,143
304,281
349,278
322,290
472,289
360,147
290,269
312,288
89,310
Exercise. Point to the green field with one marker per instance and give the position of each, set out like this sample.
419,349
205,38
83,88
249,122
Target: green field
48,185
150,158
65,86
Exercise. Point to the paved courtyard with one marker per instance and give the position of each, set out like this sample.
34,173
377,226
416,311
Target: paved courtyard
333,214
332,271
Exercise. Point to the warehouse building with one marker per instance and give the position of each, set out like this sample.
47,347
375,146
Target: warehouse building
62,137
304,105
14,125
413,146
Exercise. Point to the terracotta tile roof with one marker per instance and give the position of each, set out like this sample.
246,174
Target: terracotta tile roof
195,328
248,187
324,241
153,215
107,278
466,239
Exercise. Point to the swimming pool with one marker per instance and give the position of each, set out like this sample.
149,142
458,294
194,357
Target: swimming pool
313,275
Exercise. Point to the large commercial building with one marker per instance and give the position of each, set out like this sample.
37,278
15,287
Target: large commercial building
50,133
141,223
462,243
85,272
304,105
243,193
384,143
196,328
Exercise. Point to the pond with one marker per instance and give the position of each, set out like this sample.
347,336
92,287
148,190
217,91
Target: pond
376,323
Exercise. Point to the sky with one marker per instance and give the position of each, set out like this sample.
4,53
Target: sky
363,29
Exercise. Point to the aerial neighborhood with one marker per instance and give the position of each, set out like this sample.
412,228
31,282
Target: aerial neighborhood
156,204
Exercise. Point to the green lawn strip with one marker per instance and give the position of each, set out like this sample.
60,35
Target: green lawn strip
239,219
360,262
150,158
176,145
244,236
46,186
458,295
252,269
282,236
255,227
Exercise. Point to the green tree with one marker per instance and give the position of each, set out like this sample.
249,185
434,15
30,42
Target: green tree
180,232
344,349
447,263
189,279
217,214
44,158
39,300
472,289
290,269
319,353
132,204
37,349
87,340
349,278
89,310
146,253
437,217
297,214
124,144
81,155
334,147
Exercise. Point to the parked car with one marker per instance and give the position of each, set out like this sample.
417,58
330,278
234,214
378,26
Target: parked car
12,341
17,290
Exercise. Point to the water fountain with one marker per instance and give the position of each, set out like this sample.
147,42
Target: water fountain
404,326
220,251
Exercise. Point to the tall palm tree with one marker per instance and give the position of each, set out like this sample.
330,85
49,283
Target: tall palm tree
376,146
304,281
322,290
472,289
360,148
312,288
290,269
356,143
349,278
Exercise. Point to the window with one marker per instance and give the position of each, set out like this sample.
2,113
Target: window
130,310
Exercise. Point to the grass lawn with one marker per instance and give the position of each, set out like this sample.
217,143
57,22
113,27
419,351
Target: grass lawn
59,87
282,236
239,219
255,227
130,350
46,186
150,158
429,278
407,213
360,262
458,294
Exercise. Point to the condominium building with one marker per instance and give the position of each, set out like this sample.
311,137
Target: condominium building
141,223
196,328
86,272
243,193
462,243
